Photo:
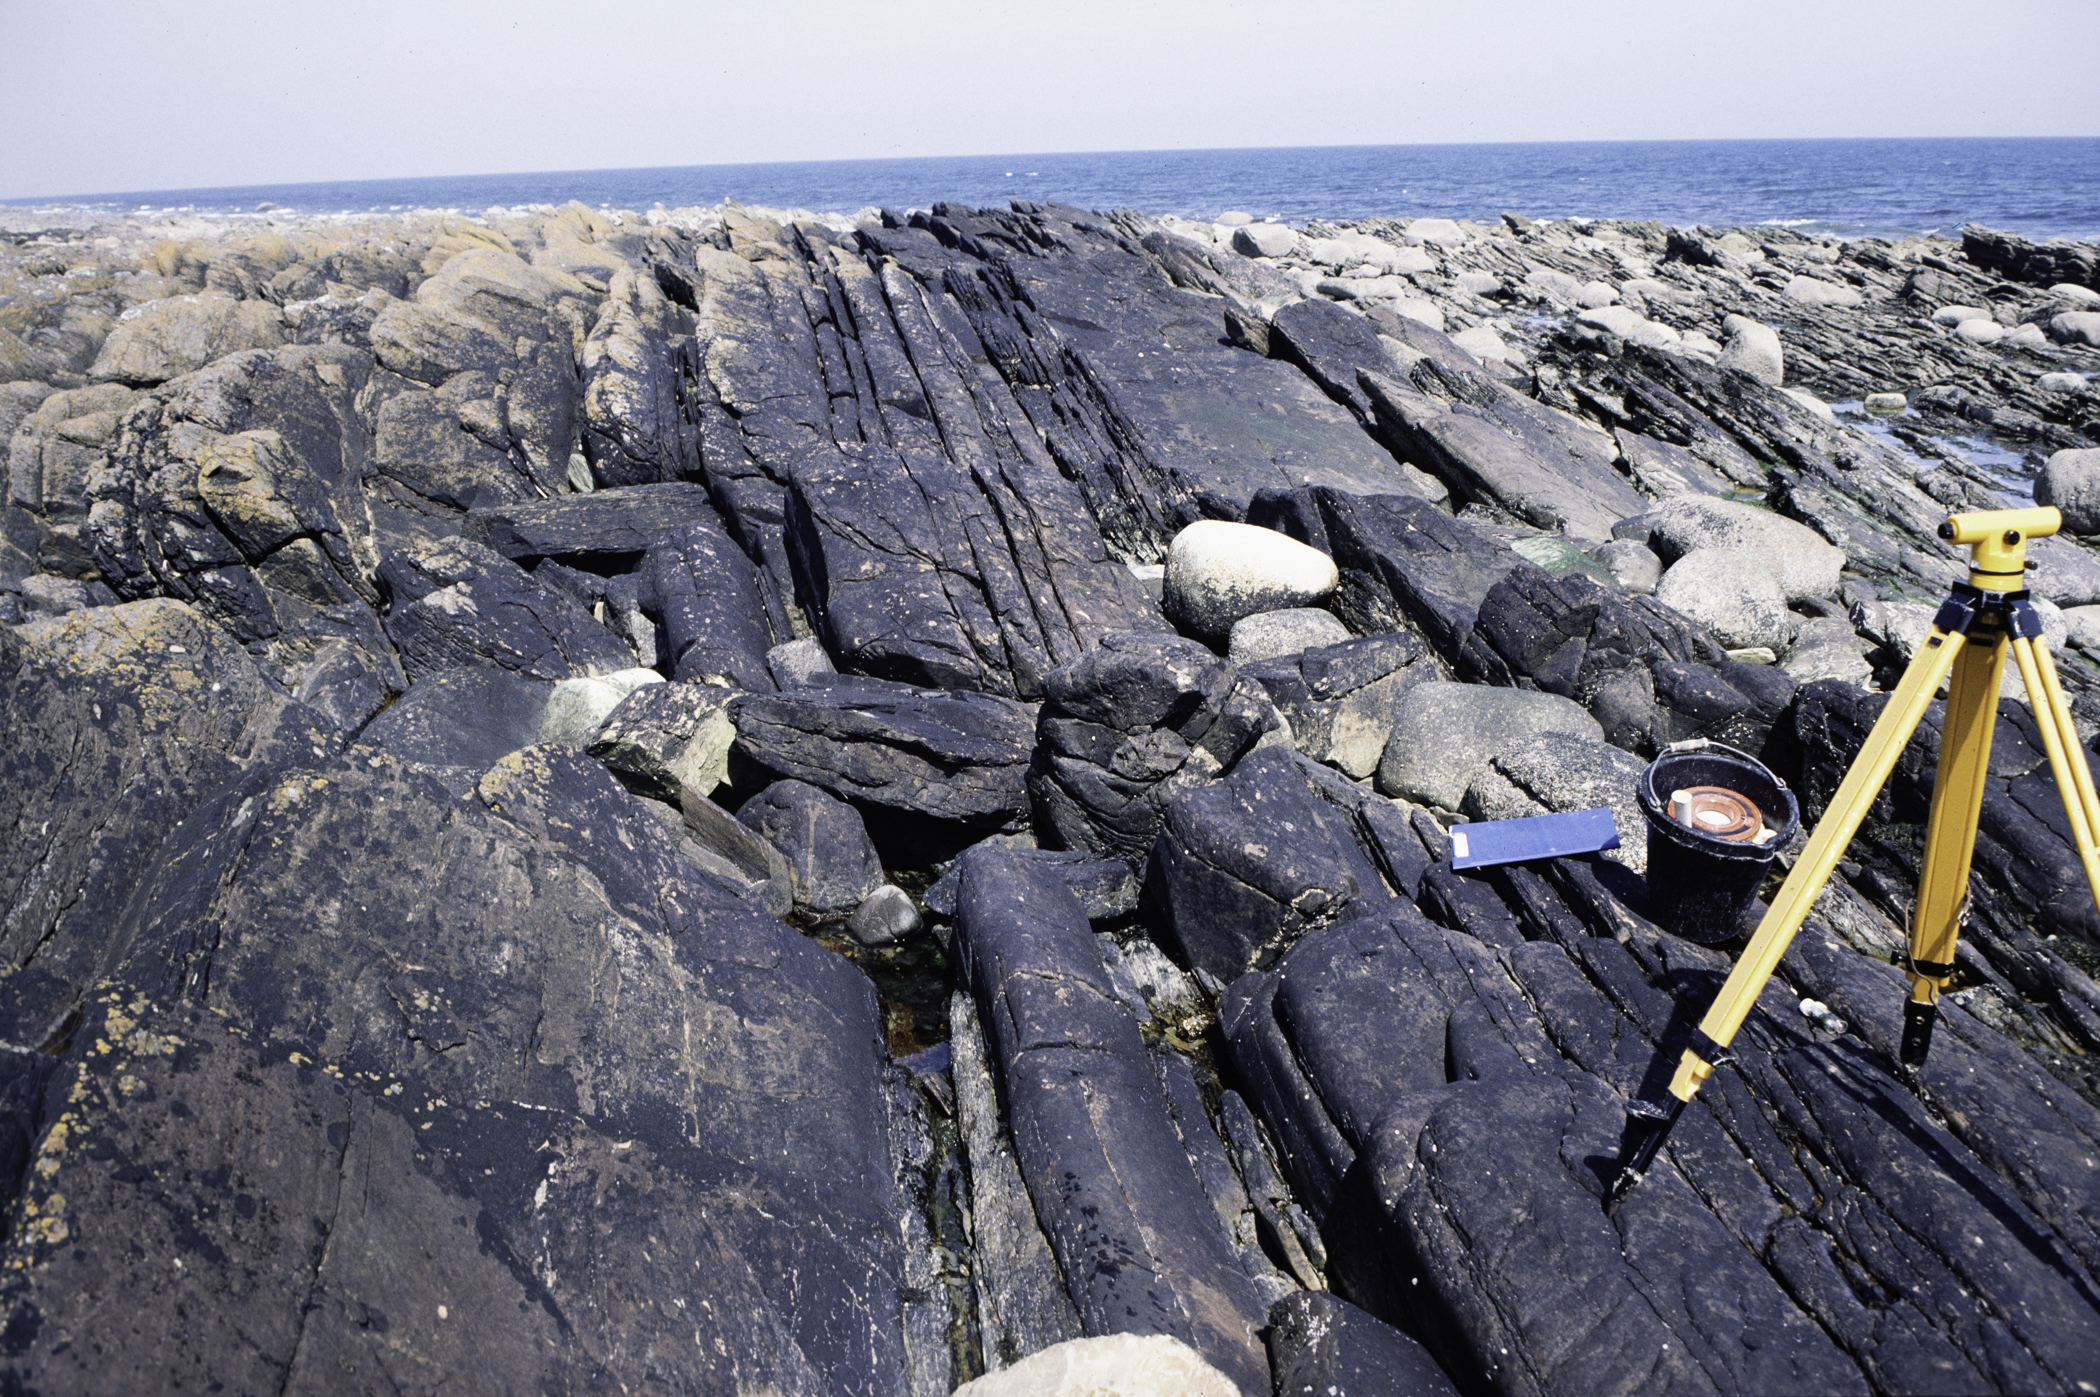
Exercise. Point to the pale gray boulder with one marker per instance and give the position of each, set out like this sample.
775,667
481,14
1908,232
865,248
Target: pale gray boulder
1802,561
1269,635
887,915
1552,772
1731,593
2076,327
1443,731
1263,240
1633,566
1951,316
2070,480
798,663
1813,291
1107,1365
1753,348
1218,572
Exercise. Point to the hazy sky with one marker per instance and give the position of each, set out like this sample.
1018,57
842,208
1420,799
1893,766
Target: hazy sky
116,95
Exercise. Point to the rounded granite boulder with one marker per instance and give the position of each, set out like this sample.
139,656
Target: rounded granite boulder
1733,594
1803,562
1443,731
1218,572
1269,635
2071,481
1753,348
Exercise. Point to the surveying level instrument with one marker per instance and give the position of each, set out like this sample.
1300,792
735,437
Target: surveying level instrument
1970,635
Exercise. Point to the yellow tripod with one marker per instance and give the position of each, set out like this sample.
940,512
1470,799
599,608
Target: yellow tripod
1970,635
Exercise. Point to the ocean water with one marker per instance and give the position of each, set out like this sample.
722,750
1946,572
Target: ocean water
2043,188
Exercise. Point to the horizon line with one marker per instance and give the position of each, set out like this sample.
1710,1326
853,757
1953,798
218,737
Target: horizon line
105,195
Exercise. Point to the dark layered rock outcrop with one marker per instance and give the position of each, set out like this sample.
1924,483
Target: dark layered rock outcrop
598,800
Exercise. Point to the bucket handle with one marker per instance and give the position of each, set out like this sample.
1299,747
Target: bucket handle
1705,744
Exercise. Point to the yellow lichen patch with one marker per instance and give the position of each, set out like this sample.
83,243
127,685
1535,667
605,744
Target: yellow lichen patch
290,793
54,1145
158,649
152,1044
50,1227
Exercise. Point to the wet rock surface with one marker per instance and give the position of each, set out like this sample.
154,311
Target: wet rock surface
978,953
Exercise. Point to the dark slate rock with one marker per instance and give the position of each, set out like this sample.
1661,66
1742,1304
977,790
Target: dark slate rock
588,1029
1107,889
1126,728
749,858
1244,867
587,589
1422,339
2002,1102
958,758
1570,636
1410,1051
1075,325
1021,1304
639,368
1141,1249
1633,662
707,597
1322,1346
191,1143
1332,345
457,602
1202,266
1388,833
607,528
464,719
1746,706
1467,901
2038,264
2024,852
831,862
121,723
1489,443
347,684
243,489
1908,1334
974,572
1404,564
1662,469
1858,494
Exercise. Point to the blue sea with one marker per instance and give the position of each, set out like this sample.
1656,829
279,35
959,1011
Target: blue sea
2043,188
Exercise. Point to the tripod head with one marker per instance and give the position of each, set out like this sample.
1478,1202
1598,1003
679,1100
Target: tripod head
1997,542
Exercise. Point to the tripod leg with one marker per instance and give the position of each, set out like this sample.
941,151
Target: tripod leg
1650,1121
1950,837
1848,808
2074,779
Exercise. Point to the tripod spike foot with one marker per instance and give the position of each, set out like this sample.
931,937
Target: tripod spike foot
1647,1126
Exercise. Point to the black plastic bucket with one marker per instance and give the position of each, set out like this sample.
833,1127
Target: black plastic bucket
1700,885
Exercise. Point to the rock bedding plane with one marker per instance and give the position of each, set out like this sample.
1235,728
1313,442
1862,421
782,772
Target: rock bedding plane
748,802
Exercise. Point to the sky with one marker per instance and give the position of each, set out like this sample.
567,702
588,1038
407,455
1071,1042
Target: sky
106,96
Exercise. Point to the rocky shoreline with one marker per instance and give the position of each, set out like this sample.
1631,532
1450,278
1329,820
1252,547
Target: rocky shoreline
741,802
